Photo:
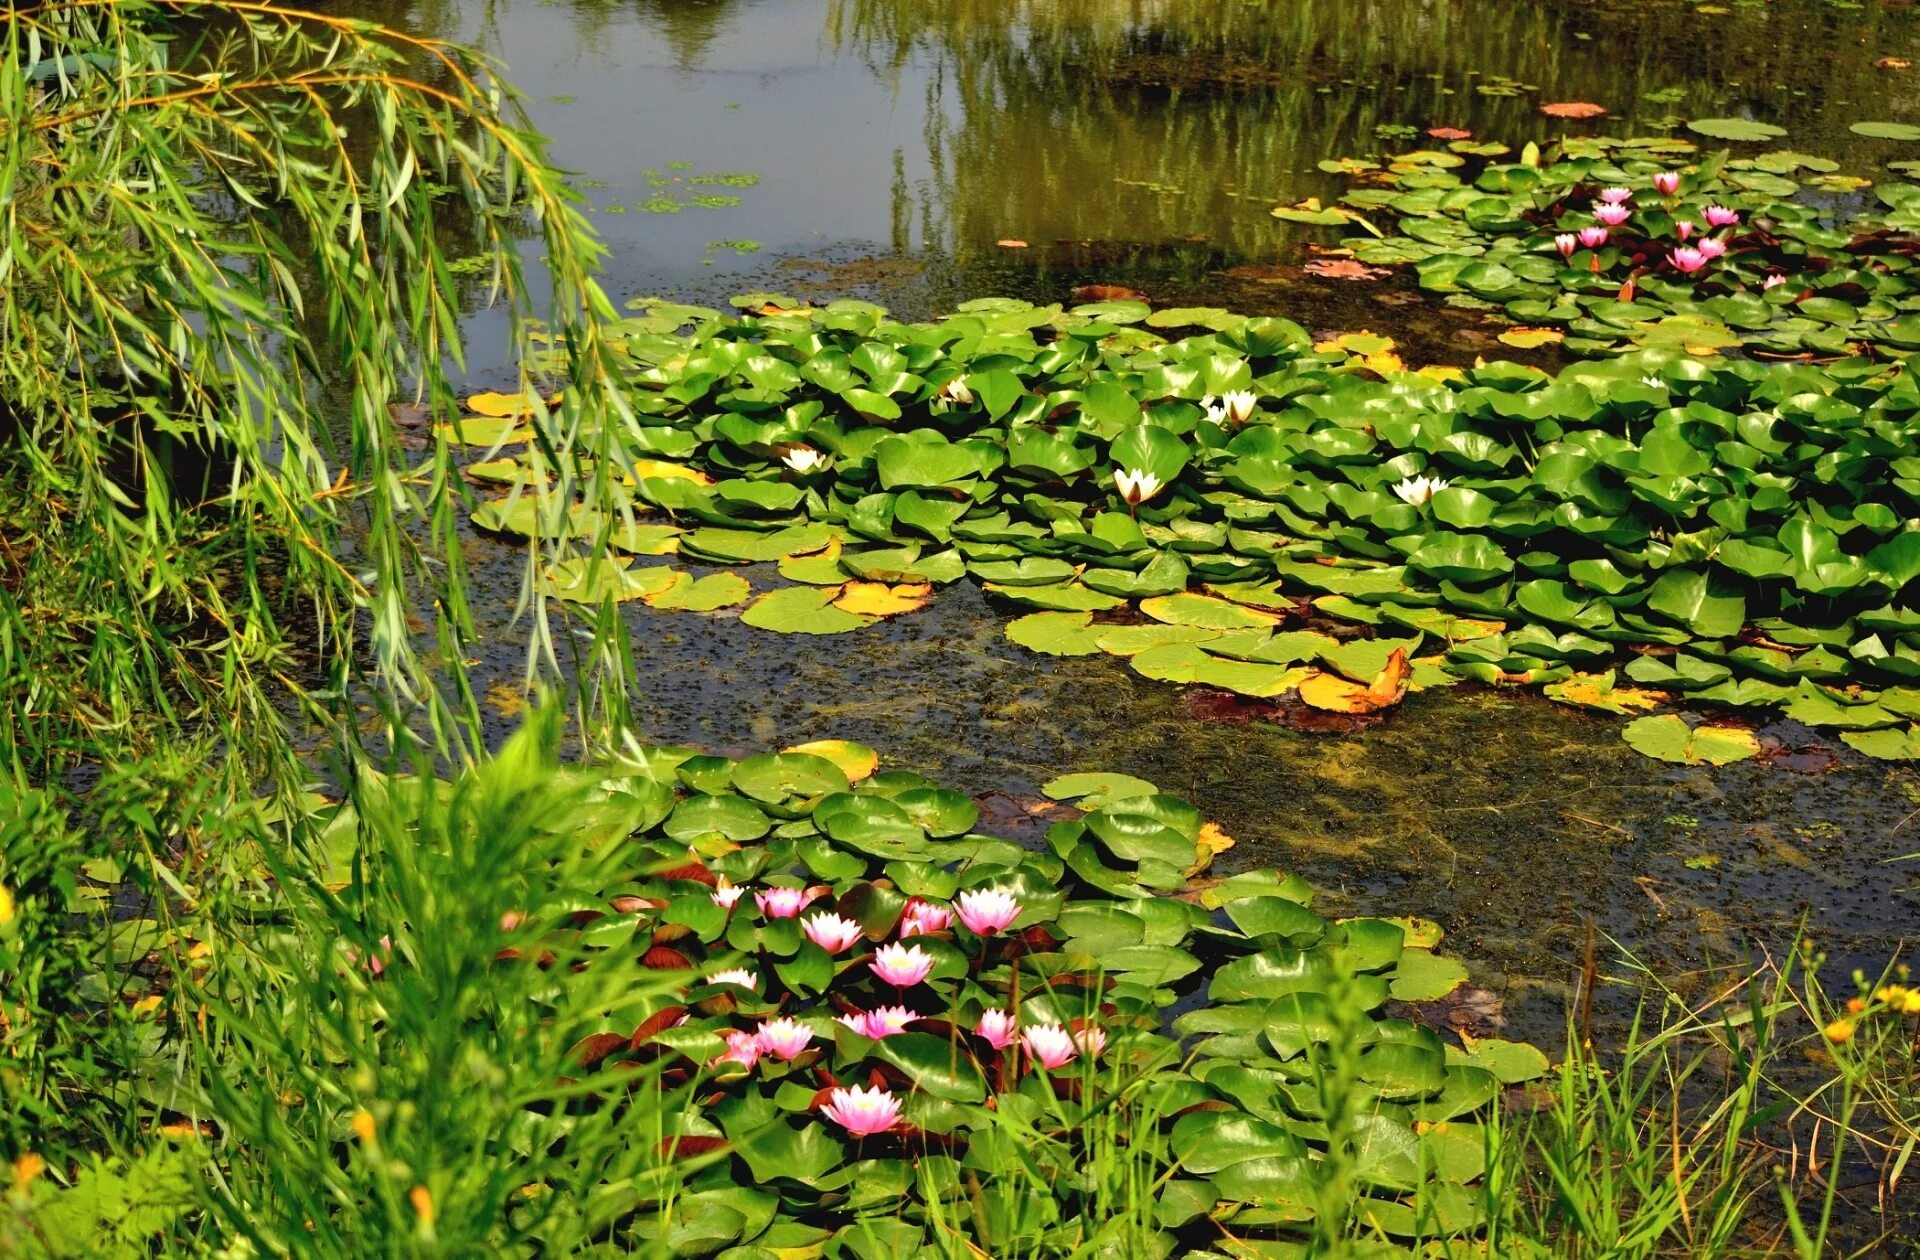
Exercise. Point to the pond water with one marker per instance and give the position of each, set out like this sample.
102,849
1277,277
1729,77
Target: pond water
888,148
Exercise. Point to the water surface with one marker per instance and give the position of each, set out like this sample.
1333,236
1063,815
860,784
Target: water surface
887,148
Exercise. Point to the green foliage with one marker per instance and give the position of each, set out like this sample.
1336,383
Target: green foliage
113,1208
397,1061
221,253
1723,532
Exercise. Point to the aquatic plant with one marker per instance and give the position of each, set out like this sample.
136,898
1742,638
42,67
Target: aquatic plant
1476,220
1717,533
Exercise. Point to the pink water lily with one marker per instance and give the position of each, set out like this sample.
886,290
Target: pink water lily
1688,260
1720,216
831,932
1091,1040
1774,280
782,903
996,1028
863,1112
923,918
785,1038
987,910
727,893
1612,216
743,1048
736,975
1614,196
901,966
1049,1045
1711,247
1593,237
1566,243
1683,228
1668,182
881,1021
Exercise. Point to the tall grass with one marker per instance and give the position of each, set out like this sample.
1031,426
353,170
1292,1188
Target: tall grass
389,1068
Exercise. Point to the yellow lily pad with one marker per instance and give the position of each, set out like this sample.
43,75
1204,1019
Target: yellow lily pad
856,761
501,406
877,599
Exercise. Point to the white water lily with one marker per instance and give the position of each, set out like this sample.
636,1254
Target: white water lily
804,459
955,391
1419,490
1238,405
1135,487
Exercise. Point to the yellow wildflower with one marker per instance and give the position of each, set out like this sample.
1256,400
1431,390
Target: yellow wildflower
422,1205
1840,1030
25,1169
6,906
363,1127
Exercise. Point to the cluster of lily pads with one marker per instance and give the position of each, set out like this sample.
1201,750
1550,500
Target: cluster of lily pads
1241,509
1605,244
878,997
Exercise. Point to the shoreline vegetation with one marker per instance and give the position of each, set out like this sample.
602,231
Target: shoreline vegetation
295,964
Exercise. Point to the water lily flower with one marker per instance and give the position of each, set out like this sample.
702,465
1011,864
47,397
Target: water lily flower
737,975
1612,216
1566,243
987,910
782,903
1668,182
855,1021
1135,487
1614,196
727,893
1238,404
743,1048
885,1021
924,918
1593,237
1049,1045
1091,1040
1711,247
1688,259
1653,382
1683,228
831,932
996,1028
1774,280
785,1038
1418,491
1721,216
901,966
955,391
863,1112
804,459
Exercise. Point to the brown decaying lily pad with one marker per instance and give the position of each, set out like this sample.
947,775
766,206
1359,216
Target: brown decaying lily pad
1346,269
1107,293
1811,757
1468,1009
1207,704
1020,817
1573,109
1450,133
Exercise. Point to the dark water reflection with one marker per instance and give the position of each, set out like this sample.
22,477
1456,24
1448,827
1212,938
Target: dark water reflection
1142,142
1136,140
